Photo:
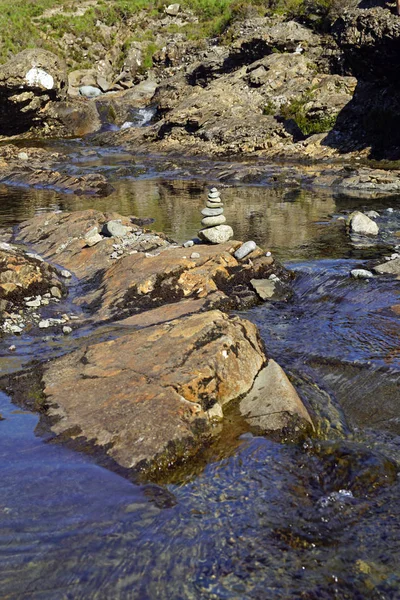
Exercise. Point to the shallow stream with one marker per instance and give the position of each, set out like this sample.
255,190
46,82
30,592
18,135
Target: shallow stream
251,518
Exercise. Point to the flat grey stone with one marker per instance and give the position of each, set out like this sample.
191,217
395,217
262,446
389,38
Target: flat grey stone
93,240
216,235
114,229
34,303
215,205
213,221
213,195
89,91
272,403
245,249
361,274
265,288
212,212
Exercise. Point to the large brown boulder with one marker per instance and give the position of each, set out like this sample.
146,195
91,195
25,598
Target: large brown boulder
29,82
144,398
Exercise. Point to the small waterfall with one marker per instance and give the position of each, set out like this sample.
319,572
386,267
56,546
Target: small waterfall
140,117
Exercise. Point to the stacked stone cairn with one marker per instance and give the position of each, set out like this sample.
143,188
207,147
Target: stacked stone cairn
215,231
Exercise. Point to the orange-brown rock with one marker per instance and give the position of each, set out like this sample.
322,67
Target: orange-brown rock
22,275
143,397
140,280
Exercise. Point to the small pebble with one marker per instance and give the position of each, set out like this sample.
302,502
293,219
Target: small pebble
66,274
44,324
195,255
390,210
67,330
188,244
12,348
55,292
268,253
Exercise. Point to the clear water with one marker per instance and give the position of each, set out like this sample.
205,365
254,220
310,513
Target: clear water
253,518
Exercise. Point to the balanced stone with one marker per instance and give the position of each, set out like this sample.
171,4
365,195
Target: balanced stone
212,212
213,221
216,235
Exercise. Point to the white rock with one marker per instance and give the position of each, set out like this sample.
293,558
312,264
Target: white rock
44,324
67,330
363,225
216,235
361,274
372,214
172,9
22,156
37,77
188,244
195,255
245,249
66,274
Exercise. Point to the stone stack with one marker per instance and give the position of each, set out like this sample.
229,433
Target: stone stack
215,231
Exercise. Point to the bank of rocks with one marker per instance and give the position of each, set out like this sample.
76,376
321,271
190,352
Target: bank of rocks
155,392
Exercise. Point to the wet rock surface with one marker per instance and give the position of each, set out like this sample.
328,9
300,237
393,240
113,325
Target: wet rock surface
152,394
40,168
143,270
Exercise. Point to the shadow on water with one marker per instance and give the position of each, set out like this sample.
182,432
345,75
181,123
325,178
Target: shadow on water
253,518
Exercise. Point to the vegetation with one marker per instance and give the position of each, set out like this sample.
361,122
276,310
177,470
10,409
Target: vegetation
29,23
307,124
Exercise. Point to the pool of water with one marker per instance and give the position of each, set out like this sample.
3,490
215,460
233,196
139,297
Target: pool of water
255,519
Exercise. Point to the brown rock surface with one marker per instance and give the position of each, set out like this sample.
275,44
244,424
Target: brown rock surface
140,280
22,275
143,396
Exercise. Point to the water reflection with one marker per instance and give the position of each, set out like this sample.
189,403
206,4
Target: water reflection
293,224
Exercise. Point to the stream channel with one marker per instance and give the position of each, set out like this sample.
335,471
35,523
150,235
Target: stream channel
251,518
